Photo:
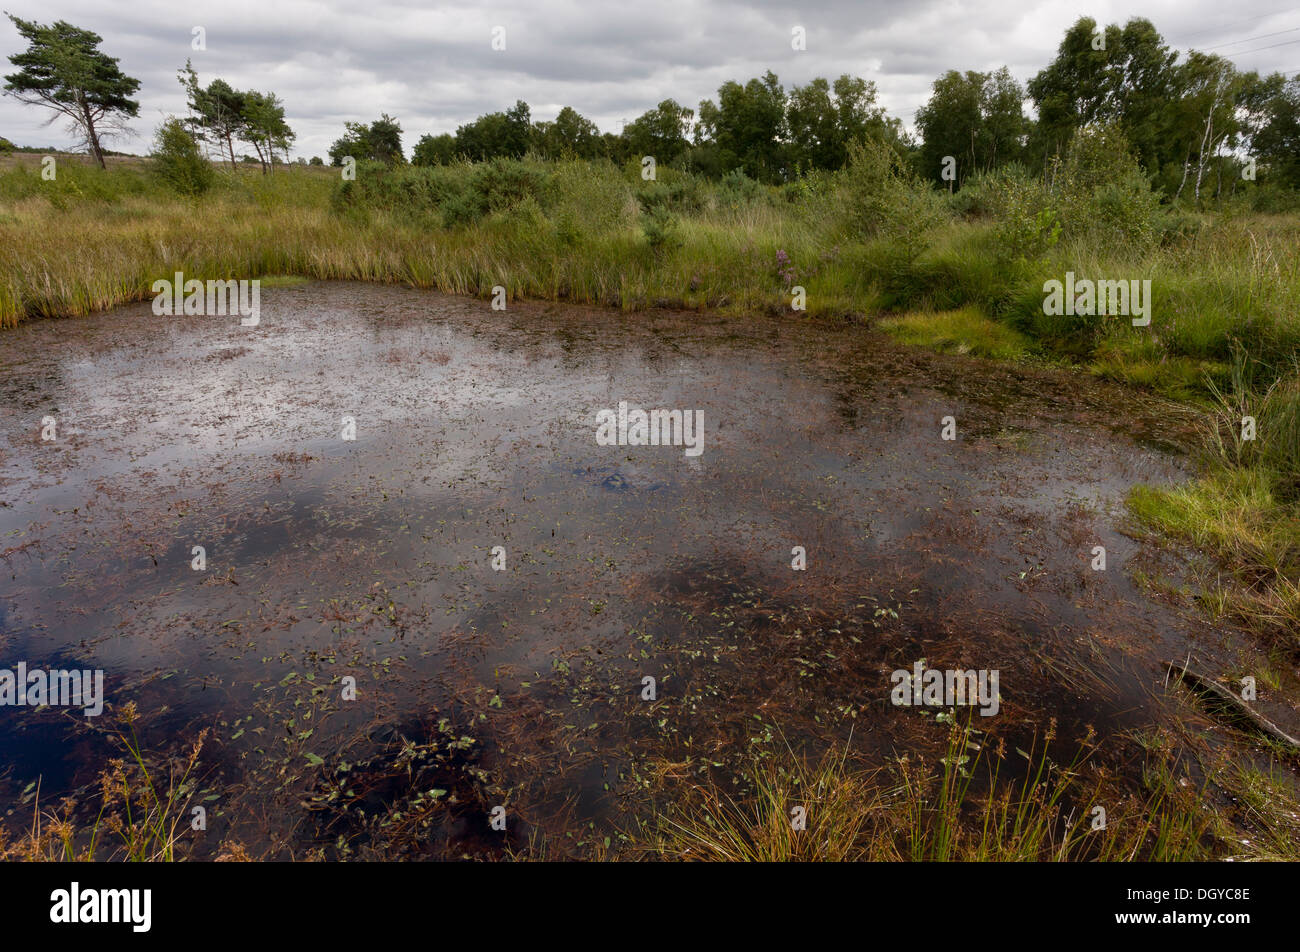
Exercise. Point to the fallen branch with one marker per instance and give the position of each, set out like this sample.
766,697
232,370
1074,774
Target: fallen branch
1206,685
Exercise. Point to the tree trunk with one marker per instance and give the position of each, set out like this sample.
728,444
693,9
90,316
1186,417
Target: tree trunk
1200,156
1187,165
92,137
260,157
96,150
1207,138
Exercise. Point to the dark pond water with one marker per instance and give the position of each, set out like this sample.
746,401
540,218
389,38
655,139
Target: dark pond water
371,557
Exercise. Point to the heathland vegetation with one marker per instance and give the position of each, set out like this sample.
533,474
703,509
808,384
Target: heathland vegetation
1139,164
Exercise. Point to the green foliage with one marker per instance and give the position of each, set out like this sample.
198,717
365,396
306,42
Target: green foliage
1028,223
1274,199
1096,196
748,126
1102,192
223,115
380,141
265,128
1111,74
737,189
461,194
977,119
671,190
570,136
63,69
216,110
1274,108
591,198
178,161
885,199
506,134
823,120
660,228
434,150
661,132
504,184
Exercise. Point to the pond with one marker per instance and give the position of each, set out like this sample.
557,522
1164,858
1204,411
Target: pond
409,493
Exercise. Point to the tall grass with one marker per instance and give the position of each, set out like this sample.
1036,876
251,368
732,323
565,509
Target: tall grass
856,241
960,810
142,806
1245,511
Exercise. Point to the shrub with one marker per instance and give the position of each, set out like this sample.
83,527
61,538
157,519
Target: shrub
660,227
504,183
884,198
1102,192
737,188
673,191
178,161
1028,219
591,198
460,193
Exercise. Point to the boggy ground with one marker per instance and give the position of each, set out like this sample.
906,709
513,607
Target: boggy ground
371,558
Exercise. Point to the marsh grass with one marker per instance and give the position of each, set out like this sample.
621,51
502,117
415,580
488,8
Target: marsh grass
1245,511
143,804
968,807
963,331
857,241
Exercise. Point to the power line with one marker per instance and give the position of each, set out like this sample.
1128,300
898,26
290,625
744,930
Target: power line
1262,16
1261,48
1262,36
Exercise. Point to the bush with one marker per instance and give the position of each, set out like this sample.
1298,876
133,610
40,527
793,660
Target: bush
737,188
1028,219
660,229
1103,195
885,199
672,191
591,198
1273,199
460,193
1176,226
505,183
178,161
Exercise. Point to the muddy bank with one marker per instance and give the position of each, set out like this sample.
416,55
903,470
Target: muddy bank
372,558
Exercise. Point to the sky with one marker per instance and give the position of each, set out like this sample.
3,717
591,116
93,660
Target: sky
432,65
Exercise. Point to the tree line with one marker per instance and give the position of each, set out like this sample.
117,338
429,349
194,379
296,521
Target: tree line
1187,121
1190,121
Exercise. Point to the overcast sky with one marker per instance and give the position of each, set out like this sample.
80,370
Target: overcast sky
433,67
